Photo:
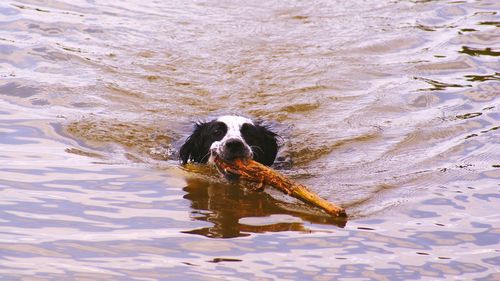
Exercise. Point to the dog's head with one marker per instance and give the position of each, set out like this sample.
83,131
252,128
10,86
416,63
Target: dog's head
230,137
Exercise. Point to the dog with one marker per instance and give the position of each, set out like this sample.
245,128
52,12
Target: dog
230,137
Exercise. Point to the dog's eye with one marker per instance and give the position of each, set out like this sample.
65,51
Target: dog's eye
217,132
247,129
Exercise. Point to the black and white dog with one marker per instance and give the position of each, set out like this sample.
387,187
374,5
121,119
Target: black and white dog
230,137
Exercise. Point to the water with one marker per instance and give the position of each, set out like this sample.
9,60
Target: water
387,108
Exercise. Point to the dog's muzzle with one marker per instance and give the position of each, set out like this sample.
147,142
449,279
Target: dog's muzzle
234,149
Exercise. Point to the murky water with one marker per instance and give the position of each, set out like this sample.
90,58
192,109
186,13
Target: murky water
389,108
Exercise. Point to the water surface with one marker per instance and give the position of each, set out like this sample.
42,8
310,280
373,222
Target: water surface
387,108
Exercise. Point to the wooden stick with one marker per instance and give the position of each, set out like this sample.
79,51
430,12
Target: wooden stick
253,171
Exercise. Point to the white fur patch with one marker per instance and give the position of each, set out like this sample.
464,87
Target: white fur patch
233,123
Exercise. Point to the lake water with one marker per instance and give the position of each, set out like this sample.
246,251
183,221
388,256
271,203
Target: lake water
388,108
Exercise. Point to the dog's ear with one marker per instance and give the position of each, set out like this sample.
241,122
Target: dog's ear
268,144
191,148
186,150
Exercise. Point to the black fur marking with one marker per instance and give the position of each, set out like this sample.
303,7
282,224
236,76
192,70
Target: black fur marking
262,141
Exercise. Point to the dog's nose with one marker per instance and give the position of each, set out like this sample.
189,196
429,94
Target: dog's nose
234,145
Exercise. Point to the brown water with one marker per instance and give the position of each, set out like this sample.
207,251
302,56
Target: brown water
389,108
